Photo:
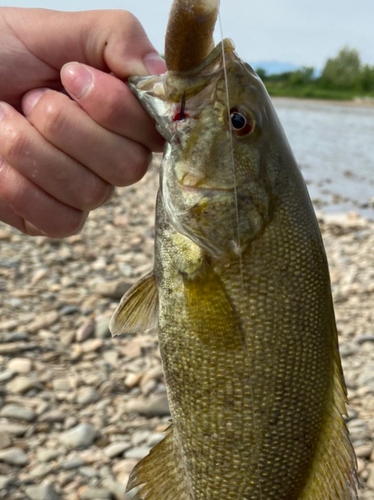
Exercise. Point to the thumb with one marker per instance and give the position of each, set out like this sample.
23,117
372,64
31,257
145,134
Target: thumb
123,46
109,40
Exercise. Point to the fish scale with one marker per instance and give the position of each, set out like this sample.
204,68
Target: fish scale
246,328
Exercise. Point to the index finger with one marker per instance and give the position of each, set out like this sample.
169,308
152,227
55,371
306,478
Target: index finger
110,103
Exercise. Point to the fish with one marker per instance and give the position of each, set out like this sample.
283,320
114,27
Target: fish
240,291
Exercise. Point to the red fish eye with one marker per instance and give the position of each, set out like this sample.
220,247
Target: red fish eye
240,122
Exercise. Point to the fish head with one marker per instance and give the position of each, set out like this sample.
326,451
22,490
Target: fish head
221,132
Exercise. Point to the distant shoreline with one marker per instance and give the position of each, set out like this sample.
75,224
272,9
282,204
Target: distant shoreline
356,103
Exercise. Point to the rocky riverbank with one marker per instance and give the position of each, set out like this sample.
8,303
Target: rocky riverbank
77,408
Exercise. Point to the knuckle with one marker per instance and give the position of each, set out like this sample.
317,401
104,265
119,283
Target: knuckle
125,18
17,145
110,114
53,119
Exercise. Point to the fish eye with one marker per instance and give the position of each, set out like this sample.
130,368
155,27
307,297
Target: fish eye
241,122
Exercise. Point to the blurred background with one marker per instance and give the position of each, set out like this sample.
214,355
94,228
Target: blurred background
77,408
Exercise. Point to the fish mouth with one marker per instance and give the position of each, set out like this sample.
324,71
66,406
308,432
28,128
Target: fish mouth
187,84
226,47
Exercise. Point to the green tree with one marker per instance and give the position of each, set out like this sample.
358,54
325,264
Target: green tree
342,71
302,76
261,73
367,78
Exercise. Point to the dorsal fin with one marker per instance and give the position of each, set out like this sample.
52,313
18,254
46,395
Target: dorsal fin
159,475
138,309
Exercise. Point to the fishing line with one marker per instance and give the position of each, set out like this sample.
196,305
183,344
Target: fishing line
238,228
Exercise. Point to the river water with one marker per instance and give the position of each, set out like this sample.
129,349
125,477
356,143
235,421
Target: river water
334,146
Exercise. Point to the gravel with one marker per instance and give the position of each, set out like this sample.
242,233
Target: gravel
78,408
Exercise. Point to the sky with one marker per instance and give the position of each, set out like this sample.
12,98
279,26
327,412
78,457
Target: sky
304,33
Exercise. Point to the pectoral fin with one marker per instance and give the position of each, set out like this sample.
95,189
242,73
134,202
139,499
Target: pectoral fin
138,309
159,476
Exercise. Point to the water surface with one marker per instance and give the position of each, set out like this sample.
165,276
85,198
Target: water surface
334,146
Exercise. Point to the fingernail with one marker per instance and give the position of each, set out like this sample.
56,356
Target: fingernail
2,112
30,99
154,64
77,79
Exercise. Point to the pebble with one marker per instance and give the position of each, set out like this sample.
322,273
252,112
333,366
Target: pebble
95,494
87,395
62,384
102,328
155,439
112,289
139,437
111,357
85,331
14,429
73,463
156,406
81,436
13,456
20,385
53,416
92,345
116,449
5,440
5,481
46,454
40,471
6,375
118,489
88,471
17,412
20,365
364,450
137,453
45,321
43,491
370,479
132,379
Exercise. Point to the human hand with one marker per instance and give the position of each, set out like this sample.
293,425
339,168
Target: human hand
61,154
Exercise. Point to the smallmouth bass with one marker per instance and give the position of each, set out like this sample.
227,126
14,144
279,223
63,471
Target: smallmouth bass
240,291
